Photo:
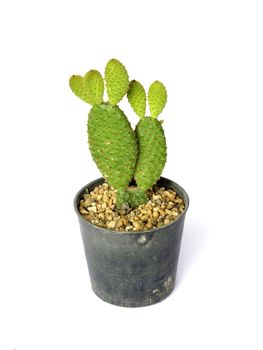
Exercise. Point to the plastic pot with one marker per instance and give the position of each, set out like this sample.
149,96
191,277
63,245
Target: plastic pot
132,268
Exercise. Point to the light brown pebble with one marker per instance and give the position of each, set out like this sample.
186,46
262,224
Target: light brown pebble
155,214
92,209
119,223
144,218
136,226
111,224
152,221
105,199
156,197
149,226
125,221
101,224
162,213
115,214
172,196
168,212
83,211
170,205
91,214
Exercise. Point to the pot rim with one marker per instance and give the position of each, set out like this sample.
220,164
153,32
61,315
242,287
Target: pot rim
114,232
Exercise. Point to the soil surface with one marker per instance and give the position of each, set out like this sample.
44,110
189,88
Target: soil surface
163,207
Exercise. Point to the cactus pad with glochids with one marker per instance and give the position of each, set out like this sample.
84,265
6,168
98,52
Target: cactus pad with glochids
111,138
112,144
149,133
122,155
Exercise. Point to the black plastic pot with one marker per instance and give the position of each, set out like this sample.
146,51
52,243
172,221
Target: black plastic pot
132,268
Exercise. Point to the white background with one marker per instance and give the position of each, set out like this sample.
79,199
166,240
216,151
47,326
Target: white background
209,54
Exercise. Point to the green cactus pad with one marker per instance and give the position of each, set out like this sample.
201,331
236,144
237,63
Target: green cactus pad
94,84
133,196
137,98
137,197
90,88
152,152
157,98
112,144
122,196
76,83
117,81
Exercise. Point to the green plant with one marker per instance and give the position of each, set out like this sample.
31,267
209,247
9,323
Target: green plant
149,133
120,153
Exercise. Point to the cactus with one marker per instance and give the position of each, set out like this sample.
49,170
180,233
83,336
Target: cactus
149,133
121,154
112,144
111,138
89,88
117,81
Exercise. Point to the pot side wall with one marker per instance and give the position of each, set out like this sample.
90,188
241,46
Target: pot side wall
132,268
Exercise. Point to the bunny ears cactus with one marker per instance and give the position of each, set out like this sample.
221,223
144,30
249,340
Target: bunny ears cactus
157,98
120,153
149,132
111,138
90,88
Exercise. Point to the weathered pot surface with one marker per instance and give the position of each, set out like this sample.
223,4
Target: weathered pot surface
132,268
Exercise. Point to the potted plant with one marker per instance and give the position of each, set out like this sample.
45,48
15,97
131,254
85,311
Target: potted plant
131,219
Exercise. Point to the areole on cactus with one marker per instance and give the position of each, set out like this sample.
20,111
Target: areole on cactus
121,154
